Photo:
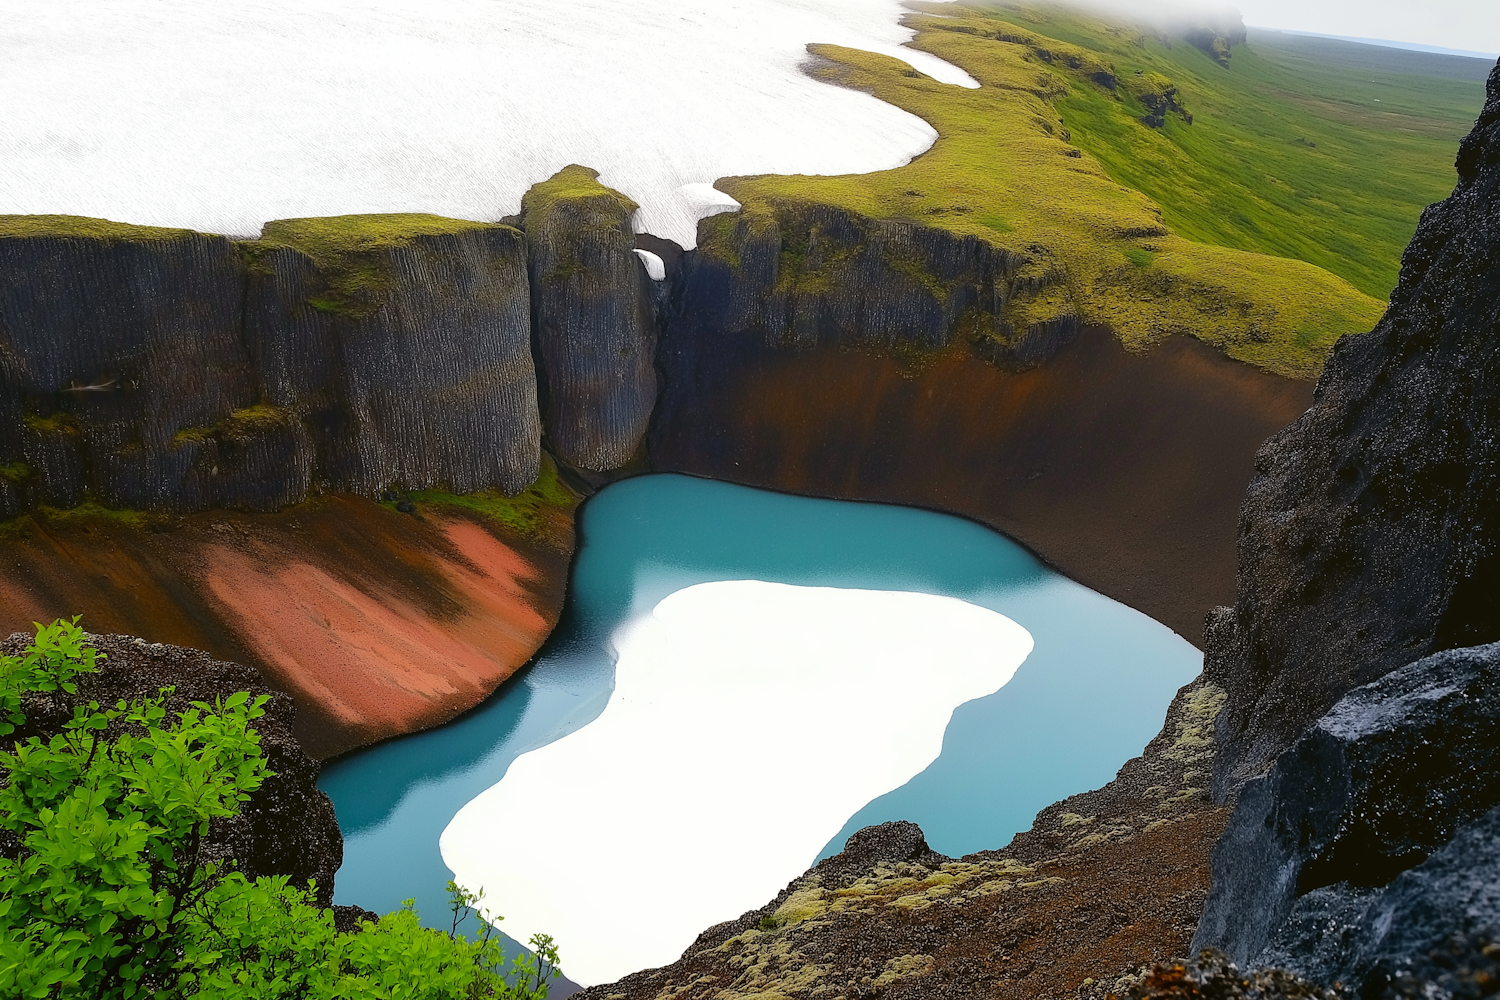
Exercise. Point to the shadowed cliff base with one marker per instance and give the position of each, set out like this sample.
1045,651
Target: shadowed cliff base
1124,470
379,622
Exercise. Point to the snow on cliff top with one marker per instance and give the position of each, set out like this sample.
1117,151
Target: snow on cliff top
220,117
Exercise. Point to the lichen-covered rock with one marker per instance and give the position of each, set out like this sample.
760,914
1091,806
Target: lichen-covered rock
288,826
1371,534
1372,789
594,322
401,345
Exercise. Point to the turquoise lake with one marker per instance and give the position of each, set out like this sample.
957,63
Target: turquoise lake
1090,695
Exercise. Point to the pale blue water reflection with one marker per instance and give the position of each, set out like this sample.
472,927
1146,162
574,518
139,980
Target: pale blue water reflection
1091,694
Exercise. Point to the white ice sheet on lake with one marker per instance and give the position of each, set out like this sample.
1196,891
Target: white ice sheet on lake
221,116
748,722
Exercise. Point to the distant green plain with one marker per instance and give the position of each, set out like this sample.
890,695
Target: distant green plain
1317,149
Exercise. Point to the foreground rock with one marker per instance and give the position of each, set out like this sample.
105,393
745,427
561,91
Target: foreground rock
288,826
1371,536
1103,885
1374,788
1376,837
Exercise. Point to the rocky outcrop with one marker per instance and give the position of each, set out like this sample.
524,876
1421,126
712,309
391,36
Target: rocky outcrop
1103,885
161,369
113,339
826,354
594,326
402,345
1376,787
287,827
1370,536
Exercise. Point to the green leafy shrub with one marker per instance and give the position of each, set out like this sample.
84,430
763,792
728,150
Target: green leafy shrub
104,891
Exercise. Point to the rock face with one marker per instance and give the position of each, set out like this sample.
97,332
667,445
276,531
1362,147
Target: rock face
825,354
288,826
1371,534
164,369
1376,787
594,324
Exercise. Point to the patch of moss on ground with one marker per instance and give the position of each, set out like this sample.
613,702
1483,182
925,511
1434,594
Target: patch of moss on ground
352,252
82,227
1096,249
529,513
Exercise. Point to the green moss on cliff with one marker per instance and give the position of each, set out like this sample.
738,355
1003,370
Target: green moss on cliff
1095,249
15,472
531,513
573,202
82,227
238,426
353,252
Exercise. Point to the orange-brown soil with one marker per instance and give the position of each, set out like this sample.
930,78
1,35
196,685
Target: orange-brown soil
1124,471
379,623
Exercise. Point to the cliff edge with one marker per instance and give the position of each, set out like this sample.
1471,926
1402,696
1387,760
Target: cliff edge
1370,536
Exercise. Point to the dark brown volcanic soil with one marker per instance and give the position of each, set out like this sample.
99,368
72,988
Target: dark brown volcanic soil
1124,471
378,622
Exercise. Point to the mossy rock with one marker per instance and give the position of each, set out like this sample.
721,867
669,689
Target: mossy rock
81,227
353,252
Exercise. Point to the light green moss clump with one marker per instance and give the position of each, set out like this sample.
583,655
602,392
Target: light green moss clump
573,185
82,227
16,471
240,425
352,251
529,513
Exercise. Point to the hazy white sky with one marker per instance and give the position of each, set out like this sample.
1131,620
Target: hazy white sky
1456,24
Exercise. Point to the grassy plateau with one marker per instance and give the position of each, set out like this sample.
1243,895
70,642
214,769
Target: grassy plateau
1264,214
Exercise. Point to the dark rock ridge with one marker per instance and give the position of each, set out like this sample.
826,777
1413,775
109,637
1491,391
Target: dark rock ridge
1377,787
594,326
1370,536
288,826
164,369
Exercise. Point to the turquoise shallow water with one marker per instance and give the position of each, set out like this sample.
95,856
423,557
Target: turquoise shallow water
1090,695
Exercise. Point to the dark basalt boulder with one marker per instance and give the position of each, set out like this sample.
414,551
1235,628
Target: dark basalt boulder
288,825
594,323
1408,937
1370,536
1374,788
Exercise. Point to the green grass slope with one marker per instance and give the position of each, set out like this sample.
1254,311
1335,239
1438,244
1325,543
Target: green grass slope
1005,169
1317,149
